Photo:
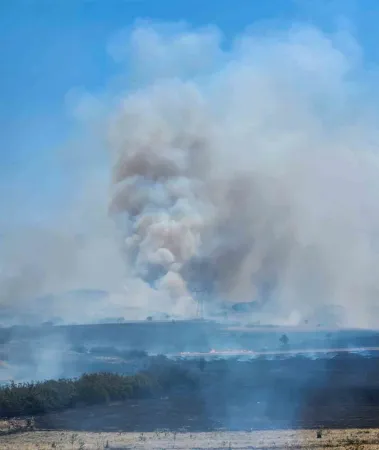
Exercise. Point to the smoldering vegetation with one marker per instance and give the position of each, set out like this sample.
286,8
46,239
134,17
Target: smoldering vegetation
45,352
199,395
110,377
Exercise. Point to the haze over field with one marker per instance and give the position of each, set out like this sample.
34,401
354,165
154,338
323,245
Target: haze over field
239,171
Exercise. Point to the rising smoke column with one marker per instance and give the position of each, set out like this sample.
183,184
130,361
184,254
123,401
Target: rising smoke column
186,227
248,174
162,159
245,173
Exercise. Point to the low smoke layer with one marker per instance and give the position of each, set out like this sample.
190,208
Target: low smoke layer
242,172
248,174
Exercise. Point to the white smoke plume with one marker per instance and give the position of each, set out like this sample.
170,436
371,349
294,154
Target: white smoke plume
251,173
242,172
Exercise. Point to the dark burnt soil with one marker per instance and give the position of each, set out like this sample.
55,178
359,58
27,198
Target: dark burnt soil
189,414
341,392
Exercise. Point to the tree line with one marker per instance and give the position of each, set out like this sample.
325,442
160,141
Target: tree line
34,398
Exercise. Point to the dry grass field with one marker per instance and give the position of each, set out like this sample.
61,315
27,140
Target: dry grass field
355,439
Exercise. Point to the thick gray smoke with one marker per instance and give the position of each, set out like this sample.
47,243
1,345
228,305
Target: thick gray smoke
248,174
240,173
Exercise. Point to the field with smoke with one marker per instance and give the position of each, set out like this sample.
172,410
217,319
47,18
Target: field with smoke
240,171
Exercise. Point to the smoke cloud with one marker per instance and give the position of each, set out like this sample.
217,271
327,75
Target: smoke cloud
240,172
249,173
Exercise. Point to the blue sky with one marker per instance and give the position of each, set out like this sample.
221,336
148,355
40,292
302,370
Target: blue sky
48,47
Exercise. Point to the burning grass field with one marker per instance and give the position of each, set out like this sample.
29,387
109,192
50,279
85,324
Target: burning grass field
354,439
